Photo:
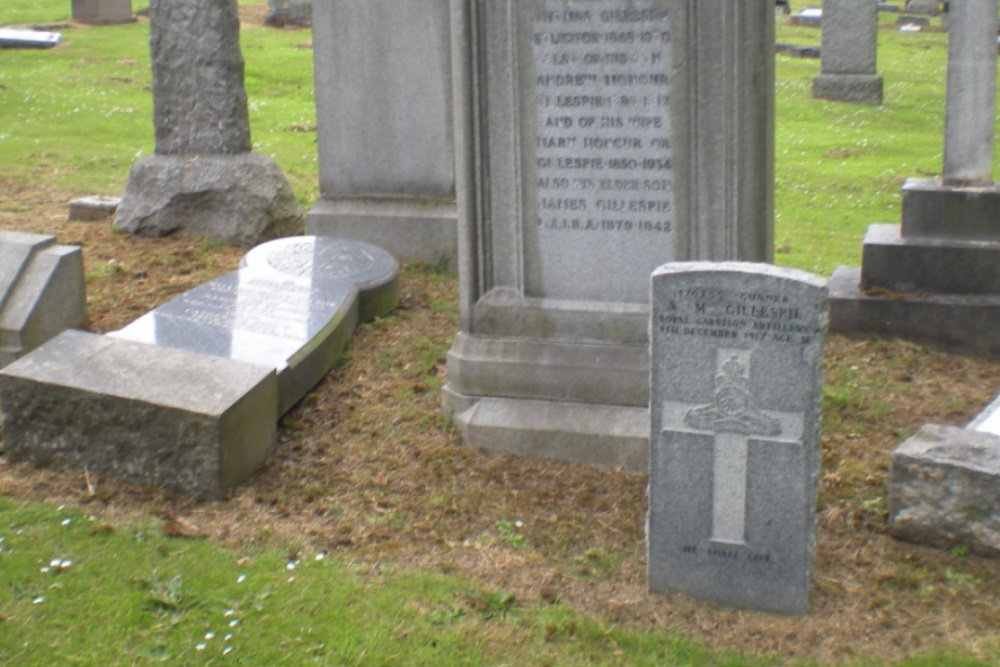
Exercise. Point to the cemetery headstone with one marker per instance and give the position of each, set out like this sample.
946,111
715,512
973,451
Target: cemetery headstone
925,7
103,12
384,125
850,39
292,307
283,13
734,443
933,278
41,292
203,180
186,398
591,149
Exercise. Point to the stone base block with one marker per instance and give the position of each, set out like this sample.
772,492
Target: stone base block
549,370
184,422
93,209
424,230
240,199
904,264
857,88
103,12
944,487
924,7
932,209
960,323
611,436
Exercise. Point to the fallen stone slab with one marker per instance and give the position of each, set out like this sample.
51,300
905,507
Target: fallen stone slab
292,307
184,422
944,489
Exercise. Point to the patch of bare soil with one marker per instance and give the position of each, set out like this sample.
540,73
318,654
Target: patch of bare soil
367,468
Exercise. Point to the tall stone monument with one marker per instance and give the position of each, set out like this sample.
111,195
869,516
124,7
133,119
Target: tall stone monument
849,47
595,141
734,443
936,277
203,180
384,123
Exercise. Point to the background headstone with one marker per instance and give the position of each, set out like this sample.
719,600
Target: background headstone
41,292
293,307
850,42
384,125
289,13
103,12
736,388
590,150
933,278
203,180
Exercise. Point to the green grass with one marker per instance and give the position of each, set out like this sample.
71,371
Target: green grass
134,597
80,114
77,116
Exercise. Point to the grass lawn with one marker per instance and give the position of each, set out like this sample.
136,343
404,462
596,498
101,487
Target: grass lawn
374,537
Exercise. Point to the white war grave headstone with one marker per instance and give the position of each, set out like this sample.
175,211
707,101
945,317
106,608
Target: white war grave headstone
591,148
736,387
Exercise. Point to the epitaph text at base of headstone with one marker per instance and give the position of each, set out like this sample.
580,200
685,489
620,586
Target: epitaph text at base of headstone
734,444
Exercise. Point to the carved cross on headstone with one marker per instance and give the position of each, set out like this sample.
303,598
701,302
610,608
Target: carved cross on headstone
733,421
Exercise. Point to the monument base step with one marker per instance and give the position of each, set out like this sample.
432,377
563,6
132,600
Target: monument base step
959,323
857,88
424,230
611,436
893,261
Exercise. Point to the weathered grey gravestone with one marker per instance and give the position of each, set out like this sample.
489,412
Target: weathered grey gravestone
203,180
41,292
384,123
734,442
592,148
850,42
935,278
186,397
289,13
292,307
103,12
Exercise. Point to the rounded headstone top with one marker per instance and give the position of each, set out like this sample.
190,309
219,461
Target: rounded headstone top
321,259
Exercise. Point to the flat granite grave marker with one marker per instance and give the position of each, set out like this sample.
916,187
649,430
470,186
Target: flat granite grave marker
187,397
591,148
41,291
291,307
734,449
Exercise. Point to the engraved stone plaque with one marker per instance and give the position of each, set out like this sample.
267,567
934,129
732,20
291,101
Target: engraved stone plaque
292,307
736,388
601,150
